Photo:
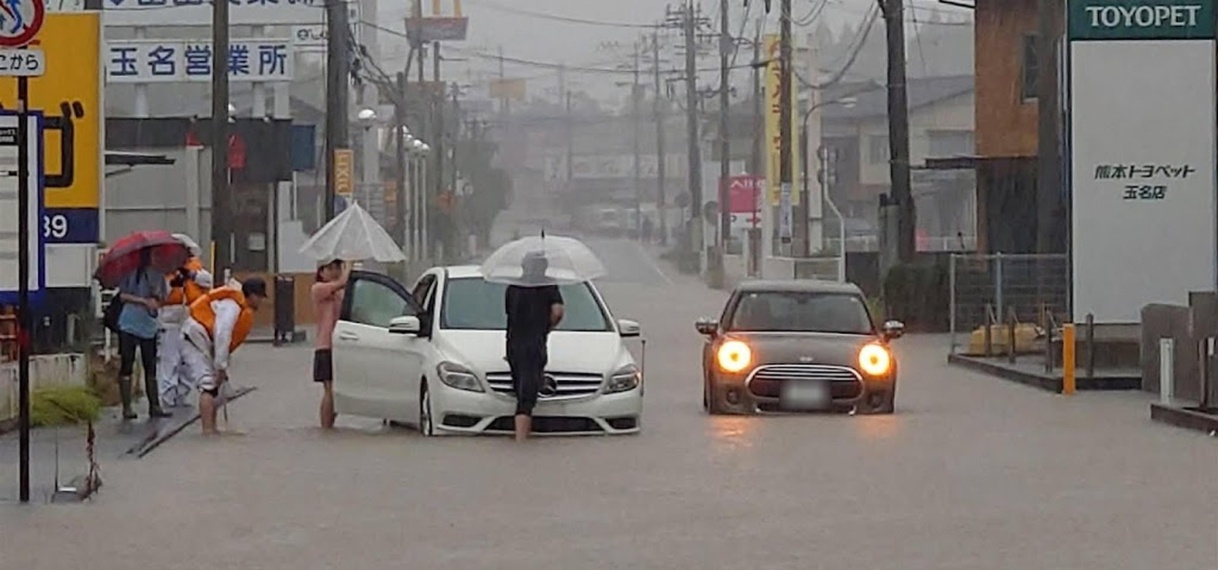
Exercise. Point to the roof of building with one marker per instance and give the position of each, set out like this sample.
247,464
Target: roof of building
870,99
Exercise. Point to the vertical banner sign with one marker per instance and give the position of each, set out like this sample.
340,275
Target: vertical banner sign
10,215
344,170
773,134
69,96
1142,154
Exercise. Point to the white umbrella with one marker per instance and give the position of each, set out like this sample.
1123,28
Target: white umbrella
566,260
352,236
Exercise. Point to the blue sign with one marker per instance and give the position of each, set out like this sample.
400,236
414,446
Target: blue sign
70,225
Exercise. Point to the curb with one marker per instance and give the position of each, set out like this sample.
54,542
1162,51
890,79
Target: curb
167,431
1186,418
1045,382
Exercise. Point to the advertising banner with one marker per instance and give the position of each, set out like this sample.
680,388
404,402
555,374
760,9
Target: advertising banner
773,134
1141,151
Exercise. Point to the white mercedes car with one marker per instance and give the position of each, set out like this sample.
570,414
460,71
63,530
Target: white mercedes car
433,357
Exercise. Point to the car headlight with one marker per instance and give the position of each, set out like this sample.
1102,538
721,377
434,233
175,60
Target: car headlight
456,376
624,379
734,356
875,360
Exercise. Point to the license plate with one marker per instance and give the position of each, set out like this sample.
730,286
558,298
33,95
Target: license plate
804,395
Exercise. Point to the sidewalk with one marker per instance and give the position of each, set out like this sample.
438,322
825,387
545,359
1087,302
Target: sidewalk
115,440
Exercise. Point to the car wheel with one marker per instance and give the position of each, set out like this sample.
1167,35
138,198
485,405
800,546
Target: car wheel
427,426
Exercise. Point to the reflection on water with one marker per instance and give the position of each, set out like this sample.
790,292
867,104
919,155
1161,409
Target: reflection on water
876,428
734,431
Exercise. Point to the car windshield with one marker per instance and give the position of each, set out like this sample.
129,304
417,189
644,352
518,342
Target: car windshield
790,311
472,303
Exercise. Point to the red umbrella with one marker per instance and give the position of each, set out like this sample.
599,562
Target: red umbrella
164,254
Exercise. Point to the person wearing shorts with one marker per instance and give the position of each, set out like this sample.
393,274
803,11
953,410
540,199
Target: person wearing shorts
531,313
327,293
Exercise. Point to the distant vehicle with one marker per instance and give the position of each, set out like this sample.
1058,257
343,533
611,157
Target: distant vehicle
609,222
798,346
433,357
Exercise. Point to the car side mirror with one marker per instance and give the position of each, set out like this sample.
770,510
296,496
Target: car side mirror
405,325
893,329
708,327
628,328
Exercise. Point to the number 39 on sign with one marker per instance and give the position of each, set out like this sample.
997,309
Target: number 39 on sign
22,62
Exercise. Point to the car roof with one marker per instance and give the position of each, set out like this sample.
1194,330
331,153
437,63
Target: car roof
797,286
461,271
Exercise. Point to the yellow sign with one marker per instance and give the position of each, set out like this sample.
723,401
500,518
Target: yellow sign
513,89
70,96
773,134
344,172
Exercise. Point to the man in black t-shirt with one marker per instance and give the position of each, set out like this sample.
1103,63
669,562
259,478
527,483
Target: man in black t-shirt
531,313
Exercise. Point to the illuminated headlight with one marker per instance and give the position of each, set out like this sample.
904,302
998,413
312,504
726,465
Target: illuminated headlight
456,376
624,379
875,360
734,356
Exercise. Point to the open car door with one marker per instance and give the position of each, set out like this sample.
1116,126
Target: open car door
378,355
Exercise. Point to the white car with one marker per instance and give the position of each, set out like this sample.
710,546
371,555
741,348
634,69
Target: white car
433,357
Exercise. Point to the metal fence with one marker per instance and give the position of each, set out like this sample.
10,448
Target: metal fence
990,287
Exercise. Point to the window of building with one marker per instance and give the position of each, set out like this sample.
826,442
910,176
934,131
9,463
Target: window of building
1031,67
877,149
944,143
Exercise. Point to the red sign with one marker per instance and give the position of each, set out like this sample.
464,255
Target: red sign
744,193
22,21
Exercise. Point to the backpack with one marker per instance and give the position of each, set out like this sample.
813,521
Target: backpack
111,313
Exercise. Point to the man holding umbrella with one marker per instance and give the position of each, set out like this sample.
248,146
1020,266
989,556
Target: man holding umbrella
531,313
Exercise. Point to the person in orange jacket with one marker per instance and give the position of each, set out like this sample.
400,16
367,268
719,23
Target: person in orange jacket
186,285
218,324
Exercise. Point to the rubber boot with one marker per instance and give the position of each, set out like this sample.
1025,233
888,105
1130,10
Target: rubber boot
124,392
151,391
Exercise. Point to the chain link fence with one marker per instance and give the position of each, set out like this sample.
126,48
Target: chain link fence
988,288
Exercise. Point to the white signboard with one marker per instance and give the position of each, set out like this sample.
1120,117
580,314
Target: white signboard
1142,154
198,12
312,37
30,62
174,61
10,214
613,166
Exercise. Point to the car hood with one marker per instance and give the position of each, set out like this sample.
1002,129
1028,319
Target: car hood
804,348
574,352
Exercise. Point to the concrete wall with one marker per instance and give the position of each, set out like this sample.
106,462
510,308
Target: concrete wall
45,371
954,114
162,197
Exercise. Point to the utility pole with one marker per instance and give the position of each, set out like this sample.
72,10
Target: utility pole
337,73
898,131
689,24
438,146
564,98
220,232
786,109
417,199
505,101
726,46
661,159
757,166
635,88
399,148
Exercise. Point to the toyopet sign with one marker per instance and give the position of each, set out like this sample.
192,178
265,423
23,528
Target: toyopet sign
1141,150
68,95
174,61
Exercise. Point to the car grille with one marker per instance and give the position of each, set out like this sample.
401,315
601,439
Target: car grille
570,385
844,383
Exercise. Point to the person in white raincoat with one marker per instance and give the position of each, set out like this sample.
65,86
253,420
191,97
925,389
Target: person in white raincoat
188,283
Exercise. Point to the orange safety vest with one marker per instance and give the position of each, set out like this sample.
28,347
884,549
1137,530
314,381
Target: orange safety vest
189,291
201,311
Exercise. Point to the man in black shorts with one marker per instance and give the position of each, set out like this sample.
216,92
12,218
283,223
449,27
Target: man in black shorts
531,313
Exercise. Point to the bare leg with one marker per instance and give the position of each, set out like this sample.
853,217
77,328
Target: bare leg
327,406
207,413
524,426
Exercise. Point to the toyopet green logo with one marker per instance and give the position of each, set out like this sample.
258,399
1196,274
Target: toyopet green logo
1134,20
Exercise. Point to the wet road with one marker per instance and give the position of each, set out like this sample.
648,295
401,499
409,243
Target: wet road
972,473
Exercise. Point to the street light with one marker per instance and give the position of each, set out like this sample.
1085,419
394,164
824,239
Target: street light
366,116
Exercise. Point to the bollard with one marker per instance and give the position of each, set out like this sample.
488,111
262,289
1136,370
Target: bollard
988,334
1068,347
1090,343
1207,357
1048,347
1011,320
1167,371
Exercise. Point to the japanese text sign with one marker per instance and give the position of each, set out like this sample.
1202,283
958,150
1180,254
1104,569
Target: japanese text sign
175,61
344,171
198,12
773,128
